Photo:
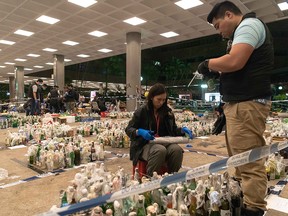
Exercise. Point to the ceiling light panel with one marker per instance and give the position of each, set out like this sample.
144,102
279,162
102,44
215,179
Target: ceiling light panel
50,50
33,55
169,34
97,33
187,4
134,21
47,19
83,55
9,63
105,50
28,69
83,3
283,6
7,42
49,63
21,60
70,43
23,33
38,66
67,60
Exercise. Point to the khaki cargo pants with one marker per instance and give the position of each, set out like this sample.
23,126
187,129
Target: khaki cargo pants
245,125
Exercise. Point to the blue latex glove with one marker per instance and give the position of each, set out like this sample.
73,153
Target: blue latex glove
187,131
146,134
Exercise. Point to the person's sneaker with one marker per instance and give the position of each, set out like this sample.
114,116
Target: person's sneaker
248,212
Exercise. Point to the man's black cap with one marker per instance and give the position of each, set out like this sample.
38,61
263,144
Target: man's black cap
40,80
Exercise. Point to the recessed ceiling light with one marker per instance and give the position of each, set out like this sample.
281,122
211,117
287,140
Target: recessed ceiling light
28,69
134,21
82,3
47,19
83,55
71,43
283,6
7,42
50,63
97,33
38,66
50,50
2,66
105,50
23,32
10,73
33,55
21,60
169,34
67,60
9,63
187,4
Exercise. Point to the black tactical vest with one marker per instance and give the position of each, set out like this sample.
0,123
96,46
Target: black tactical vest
253,80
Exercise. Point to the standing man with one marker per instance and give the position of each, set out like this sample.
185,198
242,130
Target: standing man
245,87
34,97
54,97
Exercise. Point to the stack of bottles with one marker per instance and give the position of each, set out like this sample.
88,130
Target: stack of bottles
275,166
216,195
52,155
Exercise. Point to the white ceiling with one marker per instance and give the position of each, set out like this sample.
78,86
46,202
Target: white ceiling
106,16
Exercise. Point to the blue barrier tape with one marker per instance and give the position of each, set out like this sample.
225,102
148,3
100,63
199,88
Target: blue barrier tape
233,161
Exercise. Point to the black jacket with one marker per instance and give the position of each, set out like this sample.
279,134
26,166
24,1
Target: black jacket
142,118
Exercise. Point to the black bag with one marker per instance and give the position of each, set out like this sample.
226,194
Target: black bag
219,124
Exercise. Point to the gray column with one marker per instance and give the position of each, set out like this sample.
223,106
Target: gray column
12,88
19,83
58,71
133,68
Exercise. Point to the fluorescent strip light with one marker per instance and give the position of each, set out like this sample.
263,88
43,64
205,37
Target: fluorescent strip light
67,60
1,66
50,50
83,3
50,63
38,66
169,34
10,73
47,19
187,4
28,69
33,55
83,55
97,33
283,6
105,50
70,43
9,63
21,60
23,32
134,21
7,42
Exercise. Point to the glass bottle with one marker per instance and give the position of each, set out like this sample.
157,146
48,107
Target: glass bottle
77,159
140,207
225,205
64,201
193,204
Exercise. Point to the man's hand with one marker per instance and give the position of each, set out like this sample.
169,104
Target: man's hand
205,71
146,134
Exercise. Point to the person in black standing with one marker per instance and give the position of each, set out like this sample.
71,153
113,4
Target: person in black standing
34,97
54,97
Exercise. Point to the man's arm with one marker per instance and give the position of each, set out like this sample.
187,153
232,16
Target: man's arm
234,61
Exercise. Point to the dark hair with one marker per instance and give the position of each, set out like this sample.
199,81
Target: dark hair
220,8
155,90
40,80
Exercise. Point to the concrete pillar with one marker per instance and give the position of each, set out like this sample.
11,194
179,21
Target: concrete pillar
12,88
133,68
19,83
58,71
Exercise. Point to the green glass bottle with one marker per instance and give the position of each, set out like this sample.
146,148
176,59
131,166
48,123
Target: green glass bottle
193,204
64,201
140,207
